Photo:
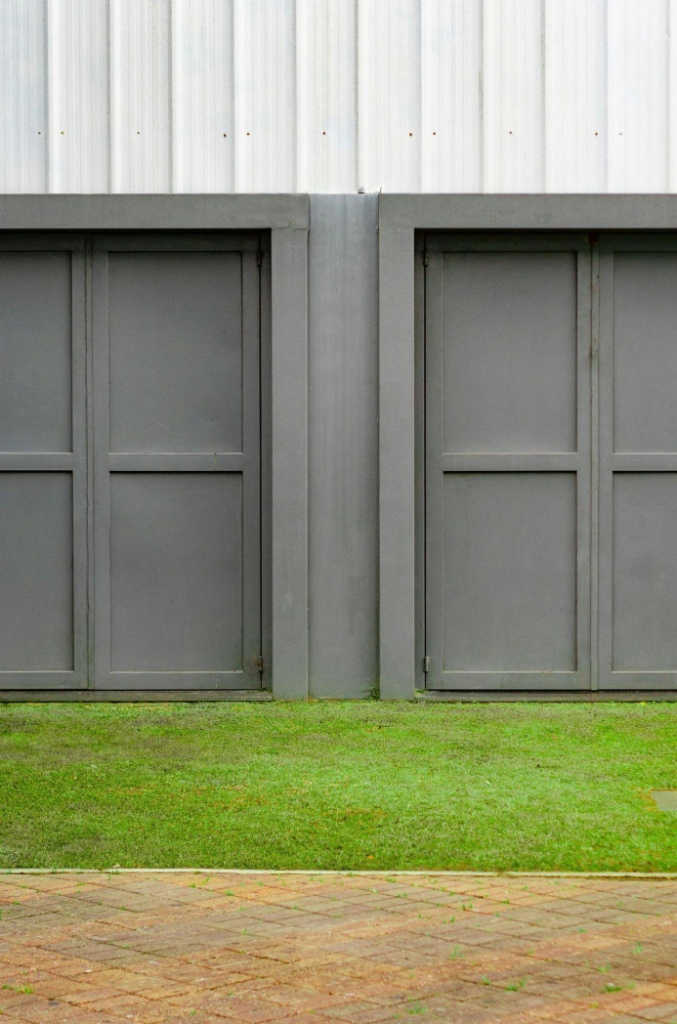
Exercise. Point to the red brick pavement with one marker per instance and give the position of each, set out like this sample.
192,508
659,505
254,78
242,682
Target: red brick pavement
336,949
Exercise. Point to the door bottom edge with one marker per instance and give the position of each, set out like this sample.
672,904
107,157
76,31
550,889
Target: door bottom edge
129,696
544,696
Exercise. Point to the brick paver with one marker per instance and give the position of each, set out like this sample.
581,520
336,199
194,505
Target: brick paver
336,949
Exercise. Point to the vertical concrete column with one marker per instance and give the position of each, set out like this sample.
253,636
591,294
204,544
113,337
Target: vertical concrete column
343,445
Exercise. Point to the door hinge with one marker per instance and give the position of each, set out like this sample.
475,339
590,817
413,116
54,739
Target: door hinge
259,258
260,664
426,664
426,259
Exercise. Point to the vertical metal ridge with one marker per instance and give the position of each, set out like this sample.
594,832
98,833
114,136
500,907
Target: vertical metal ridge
141,109
78,113
595,468
587,86
543,129
638,90
170,95
672,95
46,88
23,87
575,96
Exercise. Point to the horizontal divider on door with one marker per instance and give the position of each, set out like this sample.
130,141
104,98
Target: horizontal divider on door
188,462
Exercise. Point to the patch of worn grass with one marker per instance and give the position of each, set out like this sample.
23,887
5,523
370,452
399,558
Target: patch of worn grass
338,785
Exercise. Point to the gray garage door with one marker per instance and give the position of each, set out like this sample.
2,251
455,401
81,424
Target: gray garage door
550,454
130,416
638,463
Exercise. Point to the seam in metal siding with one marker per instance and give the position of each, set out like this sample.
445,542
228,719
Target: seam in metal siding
575,96
451,93
23,110
638,38
329,95
140,95
513,96
203,96
389,63
326,43
265,96
79,129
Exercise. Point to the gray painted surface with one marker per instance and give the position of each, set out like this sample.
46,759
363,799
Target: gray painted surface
283,420
289,251
321,551
509,579
638,463
42,464
183,393
397,507
35,354
564,212
177,518
343,445
36,575
507,462
176,567
152,212
509,352
645,353
644,595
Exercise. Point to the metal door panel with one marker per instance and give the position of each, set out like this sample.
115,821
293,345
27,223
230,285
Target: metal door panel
644,597
36,574
35,355
509,352
638,463
43,470
176,572
177,462
509,574
193,364
644,351
507,489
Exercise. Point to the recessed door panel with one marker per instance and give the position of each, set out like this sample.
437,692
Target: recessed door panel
509,352
638,463
176,572
175,351
43,463
510,572
36,572
177,463
507,463
644,596
36,409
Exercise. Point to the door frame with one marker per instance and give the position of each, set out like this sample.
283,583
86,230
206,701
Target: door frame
284,329
401,217
431,251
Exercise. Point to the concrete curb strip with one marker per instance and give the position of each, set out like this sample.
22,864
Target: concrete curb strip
658,876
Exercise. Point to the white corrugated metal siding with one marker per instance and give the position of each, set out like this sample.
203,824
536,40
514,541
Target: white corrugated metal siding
331,95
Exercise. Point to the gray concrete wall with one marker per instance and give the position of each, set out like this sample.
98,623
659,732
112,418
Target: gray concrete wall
343,445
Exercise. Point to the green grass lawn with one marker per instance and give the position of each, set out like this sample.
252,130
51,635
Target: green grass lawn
338,785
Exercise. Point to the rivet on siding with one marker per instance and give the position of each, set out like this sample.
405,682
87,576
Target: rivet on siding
410,134
247,133
63,133
324,133
225,136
